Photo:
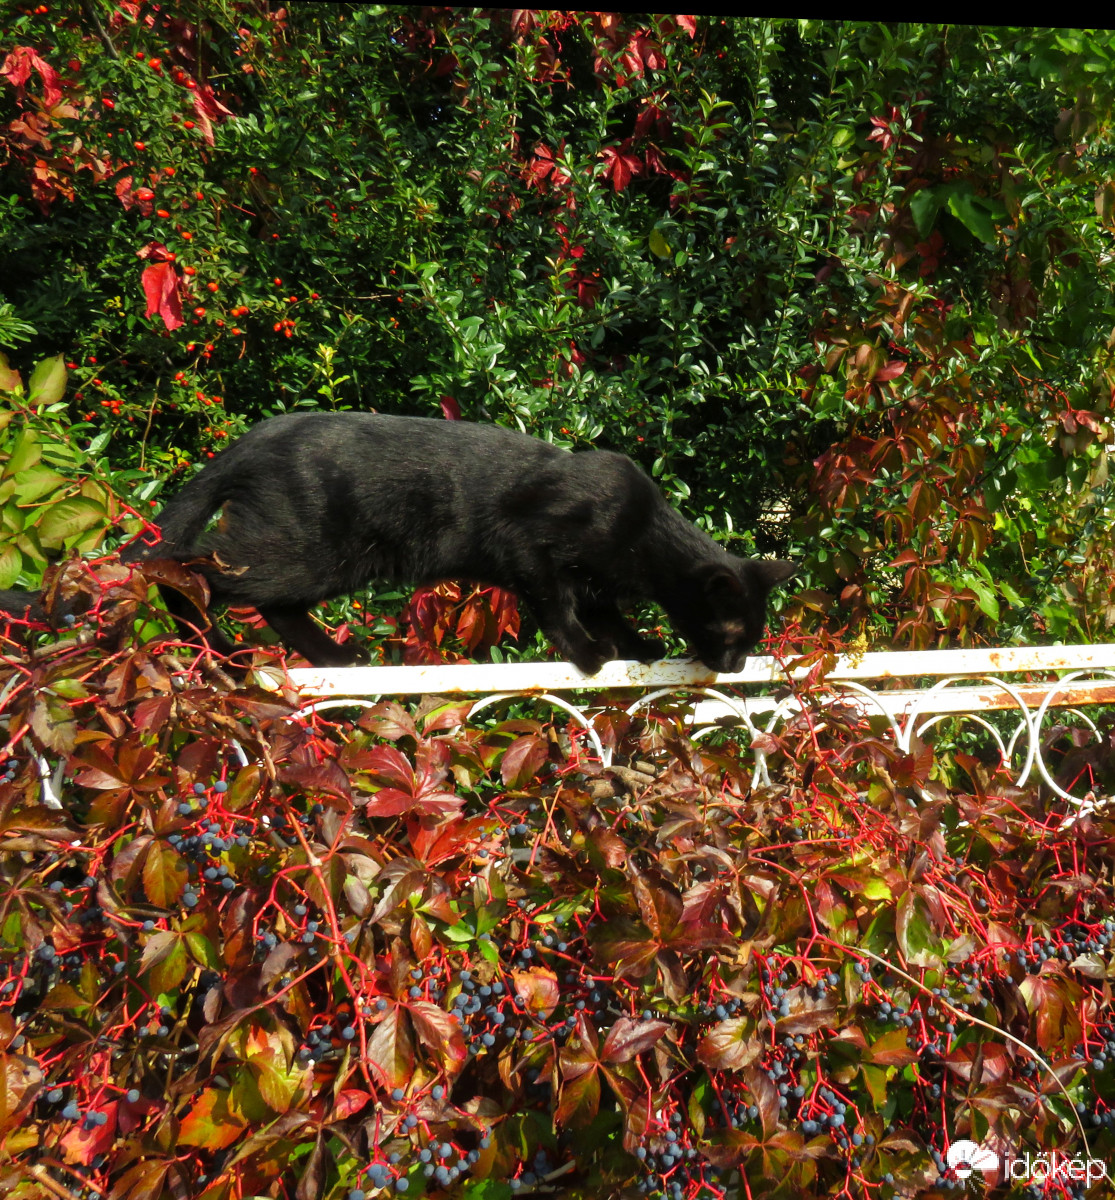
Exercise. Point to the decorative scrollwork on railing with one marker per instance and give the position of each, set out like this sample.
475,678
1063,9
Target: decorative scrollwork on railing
967,684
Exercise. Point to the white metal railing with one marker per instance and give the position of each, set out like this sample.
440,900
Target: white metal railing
966,683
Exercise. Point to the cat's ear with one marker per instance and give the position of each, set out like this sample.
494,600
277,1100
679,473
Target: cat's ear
773,571
721,583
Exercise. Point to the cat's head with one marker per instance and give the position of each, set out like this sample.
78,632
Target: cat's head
726,611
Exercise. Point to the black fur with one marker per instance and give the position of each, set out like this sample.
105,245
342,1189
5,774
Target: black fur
315,505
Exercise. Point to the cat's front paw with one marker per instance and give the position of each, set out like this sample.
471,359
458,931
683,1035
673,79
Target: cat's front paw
589,659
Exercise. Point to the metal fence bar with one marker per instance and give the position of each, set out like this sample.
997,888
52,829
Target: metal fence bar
966,683
525,677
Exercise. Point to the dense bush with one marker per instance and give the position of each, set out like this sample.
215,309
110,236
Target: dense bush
255,952
845,290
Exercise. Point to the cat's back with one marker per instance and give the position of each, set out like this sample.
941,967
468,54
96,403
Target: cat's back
399,443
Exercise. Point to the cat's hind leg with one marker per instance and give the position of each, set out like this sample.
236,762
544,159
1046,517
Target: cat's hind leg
300,632
192,622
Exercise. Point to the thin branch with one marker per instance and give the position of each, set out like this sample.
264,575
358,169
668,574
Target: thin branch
106,41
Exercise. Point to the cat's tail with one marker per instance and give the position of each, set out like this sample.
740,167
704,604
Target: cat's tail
185,517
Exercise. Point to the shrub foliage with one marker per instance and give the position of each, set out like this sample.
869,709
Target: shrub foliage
845,290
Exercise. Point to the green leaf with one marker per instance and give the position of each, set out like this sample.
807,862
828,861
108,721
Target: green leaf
924,207
25,453
67,519
974,215
48,381
33,484
11,563
53,722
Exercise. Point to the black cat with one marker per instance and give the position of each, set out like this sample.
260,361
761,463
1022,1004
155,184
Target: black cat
315,505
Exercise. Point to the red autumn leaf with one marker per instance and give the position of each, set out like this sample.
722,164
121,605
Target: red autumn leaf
391,1049
626,948
522,759
351,1100
622,166
450,409
17,70
891,371
505,607
628,1038
208,109
155,252
82,1145
891,1050
388,720
730,1045
581,1053
539,989
409,788
319,777
766,1095
448,716
211,1124
994,1062
580,1100
660,904
439,1032
160,286
434,841
687,22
